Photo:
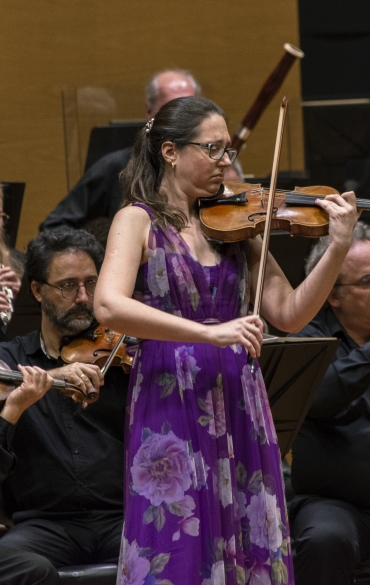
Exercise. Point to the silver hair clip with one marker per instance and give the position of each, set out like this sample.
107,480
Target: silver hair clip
148,125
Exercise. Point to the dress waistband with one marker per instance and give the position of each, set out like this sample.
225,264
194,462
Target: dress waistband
209,321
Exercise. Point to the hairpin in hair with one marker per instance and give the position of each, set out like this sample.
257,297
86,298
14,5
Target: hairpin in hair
148,125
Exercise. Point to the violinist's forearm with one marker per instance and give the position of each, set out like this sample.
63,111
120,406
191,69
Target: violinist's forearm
302,304
133,318
291,310
11,413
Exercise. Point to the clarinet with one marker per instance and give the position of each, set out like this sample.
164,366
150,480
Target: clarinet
6,315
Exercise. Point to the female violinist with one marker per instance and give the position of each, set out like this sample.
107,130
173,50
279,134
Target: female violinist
204,498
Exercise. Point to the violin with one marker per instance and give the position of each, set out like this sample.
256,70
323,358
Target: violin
239,212
100,346
97,346
9,379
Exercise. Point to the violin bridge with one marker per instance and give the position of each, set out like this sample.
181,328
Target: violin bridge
109,335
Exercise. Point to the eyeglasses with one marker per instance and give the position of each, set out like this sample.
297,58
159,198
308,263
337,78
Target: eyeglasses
216,151
4,217
363,284
70,290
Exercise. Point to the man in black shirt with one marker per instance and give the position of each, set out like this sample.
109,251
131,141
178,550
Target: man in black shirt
61,465
330,514
98,192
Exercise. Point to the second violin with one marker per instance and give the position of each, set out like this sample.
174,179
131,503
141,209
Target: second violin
98,345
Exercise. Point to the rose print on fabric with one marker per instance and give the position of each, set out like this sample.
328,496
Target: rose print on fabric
218,575
230,446
186,371
265,521
157,273
256,405
134,568
189,525
186,368
267,410
200,496
237,348
258,575
242,504
244,289
161,469
214,406
200,470
185,280
136,390
224,482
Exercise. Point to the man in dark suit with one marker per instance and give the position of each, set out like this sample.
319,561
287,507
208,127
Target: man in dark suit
330,514
61,465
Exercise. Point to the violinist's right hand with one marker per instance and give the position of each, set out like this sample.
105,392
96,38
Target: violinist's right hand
245,330
36,382
84,376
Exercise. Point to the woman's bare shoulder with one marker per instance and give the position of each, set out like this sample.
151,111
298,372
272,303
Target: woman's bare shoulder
132,211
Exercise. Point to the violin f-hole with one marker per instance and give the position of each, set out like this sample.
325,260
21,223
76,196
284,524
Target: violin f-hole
260,214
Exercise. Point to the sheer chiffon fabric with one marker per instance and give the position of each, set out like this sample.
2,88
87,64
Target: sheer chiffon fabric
204,497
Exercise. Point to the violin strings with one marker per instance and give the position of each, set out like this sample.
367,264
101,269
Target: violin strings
306,197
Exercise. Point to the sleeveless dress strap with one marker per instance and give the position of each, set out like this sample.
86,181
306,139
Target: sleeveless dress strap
146,208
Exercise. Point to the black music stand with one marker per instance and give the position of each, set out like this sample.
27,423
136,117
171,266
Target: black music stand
292,368
13,199
114,136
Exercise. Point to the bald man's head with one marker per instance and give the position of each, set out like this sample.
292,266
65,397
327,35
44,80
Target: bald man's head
169,85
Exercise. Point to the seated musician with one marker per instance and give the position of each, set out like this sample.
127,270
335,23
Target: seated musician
11,273
35,383
330,514
62,464
98,192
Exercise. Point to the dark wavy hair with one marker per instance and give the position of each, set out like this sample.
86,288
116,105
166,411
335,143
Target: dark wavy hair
41,250
177,121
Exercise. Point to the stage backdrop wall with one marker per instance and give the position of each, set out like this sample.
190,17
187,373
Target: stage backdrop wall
231,47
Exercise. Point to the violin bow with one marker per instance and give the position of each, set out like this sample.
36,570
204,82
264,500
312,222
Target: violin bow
122,339
270,210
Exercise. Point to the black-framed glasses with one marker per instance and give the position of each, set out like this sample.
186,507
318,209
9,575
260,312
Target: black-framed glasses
216,151
4,217
364,284
70,290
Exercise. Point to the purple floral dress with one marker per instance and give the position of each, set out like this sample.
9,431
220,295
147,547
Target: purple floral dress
204,499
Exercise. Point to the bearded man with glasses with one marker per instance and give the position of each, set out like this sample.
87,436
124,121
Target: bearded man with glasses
330,513
61,465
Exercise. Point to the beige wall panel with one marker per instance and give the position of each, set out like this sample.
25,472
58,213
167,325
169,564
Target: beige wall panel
231,47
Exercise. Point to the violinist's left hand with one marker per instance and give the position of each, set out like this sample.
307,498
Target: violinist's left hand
9,279
342,217
36,382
